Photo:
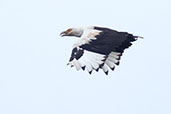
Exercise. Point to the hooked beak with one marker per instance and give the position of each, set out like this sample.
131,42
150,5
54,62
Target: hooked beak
63,34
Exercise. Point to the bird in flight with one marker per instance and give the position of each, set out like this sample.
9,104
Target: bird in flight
98,47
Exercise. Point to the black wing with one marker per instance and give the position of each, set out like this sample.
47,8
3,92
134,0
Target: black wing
109,41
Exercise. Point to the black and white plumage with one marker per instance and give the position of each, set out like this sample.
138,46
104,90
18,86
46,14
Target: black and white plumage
98,47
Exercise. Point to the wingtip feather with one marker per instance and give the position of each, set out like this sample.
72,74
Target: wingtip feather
106,72
90,72
83,67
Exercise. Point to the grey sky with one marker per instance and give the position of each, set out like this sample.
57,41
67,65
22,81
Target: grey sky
34,78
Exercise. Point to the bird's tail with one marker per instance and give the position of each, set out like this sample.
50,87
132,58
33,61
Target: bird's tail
138,37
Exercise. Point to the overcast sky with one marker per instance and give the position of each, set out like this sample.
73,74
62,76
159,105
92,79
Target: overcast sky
34,78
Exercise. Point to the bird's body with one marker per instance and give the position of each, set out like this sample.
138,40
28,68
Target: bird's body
98,47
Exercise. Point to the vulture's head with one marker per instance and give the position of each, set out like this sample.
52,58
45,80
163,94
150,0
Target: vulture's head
77,32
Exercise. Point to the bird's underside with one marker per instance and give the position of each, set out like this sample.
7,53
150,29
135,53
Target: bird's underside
98,48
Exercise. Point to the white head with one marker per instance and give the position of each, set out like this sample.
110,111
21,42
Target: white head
77,32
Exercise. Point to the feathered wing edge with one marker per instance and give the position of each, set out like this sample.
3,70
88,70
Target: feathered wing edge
94,61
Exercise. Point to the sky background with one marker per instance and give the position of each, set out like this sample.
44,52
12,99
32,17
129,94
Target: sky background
34,78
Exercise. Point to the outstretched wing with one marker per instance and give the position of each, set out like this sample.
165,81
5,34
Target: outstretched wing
109,40
101,50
